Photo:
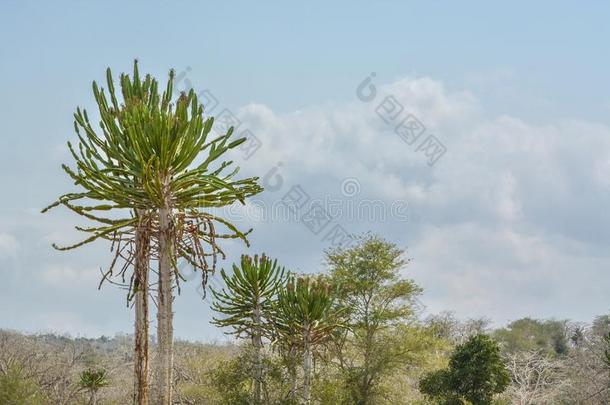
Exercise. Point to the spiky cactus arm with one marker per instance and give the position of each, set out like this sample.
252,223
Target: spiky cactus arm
246,304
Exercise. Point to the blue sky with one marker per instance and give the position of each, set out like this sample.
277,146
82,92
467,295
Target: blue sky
509,222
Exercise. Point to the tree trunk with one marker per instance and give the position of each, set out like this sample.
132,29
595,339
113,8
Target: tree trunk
307,369
292,358
93,398
165,338
140,396
257,342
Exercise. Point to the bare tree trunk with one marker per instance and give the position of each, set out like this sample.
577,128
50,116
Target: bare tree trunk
257,342
140,396
292,367
165,339
293,383
307,369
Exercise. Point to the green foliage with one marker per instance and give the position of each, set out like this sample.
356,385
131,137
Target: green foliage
145,138
17,389
306,306
93,379
247,304
378,302
248,299
306,318
232,380
368,275
146,156
549,336
329,388
476,373
371,270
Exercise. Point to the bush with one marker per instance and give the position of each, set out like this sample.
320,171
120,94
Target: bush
17,389
476,373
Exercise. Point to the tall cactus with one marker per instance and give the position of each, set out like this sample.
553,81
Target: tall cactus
247,303
143,159
308,314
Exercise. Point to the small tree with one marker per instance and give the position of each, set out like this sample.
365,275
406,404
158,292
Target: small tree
377,299
307,315
476,373
92,380
246,304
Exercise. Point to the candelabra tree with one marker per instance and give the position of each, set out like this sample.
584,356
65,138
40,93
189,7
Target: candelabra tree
307,316
246,304
92,381
155,159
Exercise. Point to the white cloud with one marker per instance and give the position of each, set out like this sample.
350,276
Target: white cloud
511,208
513,218
505,273
8,245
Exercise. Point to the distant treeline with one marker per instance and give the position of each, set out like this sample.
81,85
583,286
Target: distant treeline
549,361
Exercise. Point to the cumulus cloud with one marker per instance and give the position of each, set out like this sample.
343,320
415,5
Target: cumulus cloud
508,213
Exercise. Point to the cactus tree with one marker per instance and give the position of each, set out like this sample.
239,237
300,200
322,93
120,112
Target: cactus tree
307,314
154,156
247,303
92,380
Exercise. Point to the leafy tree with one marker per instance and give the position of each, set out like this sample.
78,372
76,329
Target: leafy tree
377,300
547,336
476,373
247,305
92,380
307,317
144,161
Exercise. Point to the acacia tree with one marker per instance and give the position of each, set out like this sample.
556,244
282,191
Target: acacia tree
247,305
377,299
307,315
143,160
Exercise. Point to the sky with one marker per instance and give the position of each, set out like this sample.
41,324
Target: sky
476,136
